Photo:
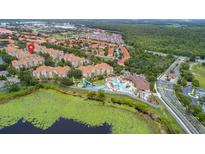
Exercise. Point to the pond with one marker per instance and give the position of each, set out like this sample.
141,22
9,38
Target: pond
63,126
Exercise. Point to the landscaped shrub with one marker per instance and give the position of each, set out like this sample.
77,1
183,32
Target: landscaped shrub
66,81
91,95
99,95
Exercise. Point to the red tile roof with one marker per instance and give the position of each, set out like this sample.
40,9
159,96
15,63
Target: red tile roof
91,68
139,81
5,31
57,70
125,57
111,51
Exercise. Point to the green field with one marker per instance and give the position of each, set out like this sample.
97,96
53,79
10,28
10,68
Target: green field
44,107
199,73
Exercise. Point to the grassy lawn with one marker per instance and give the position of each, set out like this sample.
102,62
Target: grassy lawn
199,73
45,106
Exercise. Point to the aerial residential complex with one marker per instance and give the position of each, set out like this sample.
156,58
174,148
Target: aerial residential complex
94,42
98,35
59,55
97,43
93,66
25,60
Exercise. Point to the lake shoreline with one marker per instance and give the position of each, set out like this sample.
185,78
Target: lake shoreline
61,126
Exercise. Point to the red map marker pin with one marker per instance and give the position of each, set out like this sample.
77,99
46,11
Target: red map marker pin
31,48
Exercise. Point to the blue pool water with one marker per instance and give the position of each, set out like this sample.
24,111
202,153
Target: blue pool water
101,87
122,87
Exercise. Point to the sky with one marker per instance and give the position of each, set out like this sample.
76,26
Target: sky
102,9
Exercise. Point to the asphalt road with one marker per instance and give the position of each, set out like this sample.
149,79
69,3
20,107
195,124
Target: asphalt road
166,93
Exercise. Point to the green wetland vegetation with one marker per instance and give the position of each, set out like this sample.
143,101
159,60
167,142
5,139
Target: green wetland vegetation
44,105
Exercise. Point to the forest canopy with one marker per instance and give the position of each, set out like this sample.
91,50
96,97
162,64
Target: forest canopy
178,40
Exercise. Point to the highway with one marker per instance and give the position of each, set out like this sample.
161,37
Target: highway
166,93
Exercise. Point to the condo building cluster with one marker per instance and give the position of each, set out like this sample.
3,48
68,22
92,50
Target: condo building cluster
60,55
33,39
5,31
97,43
93,42
27,60
99,48
24,59
103,36
47,72
95,70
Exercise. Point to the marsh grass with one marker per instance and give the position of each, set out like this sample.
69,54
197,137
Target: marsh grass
44,107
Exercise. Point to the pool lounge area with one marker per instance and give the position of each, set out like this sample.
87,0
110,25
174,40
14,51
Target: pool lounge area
119,85
112,85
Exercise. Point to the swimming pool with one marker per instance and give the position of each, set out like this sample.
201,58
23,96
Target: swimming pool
115,84
100,87
121,86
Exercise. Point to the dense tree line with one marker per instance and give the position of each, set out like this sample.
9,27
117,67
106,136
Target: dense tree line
7,59
148,64
99,95
75,73
66,81
12,87
182,40
27,78
187,76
